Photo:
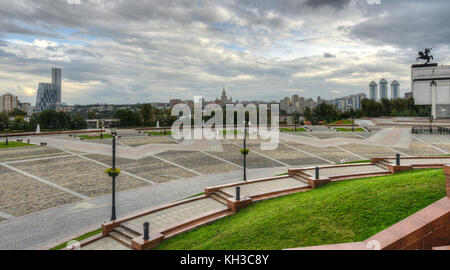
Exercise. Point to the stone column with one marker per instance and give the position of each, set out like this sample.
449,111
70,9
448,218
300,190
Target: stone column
447,176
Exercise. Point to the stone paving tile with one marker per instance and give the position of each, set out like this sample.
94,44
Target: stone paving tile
265,187
79,175
106,243
422,161
417,148
156,170
443,146
333,134
164,218
21,195
138,141
287,155
231,152
30,152
198,162
327,172
330,153
369,151
434,138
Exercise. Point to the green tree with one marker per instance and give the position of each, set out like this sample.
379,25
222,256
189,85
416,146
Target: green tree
147,112
92,115
4,120
16,112
19,123
78,122
54,120
127,118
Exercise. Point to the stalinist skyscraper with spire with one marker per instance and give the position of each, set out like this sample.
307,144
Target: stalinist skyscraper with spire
223,101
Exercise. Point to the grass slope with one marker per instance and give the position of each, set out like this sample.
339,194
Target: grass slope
299,129
13,144
350,129
87,137
339,212
159,133
79,239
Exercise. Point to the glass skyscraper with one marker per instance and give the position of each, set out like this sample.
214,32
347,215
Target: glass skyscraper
49,94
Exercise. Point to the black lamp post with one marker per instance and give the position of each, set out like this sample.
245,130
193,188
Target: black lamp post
101,129
113,209
245,149
431,124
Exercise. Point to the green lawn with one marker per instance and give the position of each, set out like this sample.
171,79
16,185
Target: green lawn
351,130
87,137
159,133
13,144
299,129
79,239
356,162
339,212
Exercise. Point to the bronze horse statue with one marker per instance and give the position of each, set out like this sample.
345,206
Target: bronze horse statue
425,55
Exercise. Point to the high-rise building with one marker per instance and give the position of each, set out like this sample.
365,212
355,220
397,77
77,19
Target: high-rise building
26,107
383,89
8,102
49,94
395,90
373,90
285,104
56,79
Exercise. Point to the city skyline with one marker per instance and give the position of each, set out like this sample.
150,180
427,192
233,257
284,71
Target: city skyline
261,52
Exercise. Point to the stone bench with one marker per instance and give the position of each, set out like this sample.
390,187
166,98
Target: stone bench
43,144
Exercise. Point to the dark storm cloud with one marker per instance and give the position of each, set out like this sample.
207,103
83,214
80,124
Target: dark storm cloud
406,24
256,48
337,4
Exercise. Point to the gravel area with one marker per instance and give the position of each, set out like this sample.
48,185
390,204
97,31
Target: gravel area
21,195
232,153
30,152
198,162
330,153
288,155
138,141
369,151
79,175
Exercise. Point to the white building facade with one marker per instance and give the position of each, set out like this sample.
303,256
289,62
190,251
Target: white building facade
430,85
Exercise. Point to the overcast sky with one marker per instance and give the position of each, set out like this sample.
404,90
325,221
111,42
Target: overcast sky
127,51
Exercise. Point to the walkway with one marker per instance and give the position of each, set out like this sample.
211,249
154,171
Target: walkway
51,225
221,201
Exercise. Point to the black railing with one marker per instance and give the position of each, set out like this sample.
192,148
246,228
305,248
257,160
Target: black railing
437,130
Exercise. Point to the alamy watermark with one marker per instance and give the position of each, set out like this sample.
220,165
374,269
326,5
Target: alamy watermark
190,125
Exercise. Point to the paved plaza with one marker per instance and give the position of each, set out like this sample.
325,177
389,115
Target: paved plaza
53,179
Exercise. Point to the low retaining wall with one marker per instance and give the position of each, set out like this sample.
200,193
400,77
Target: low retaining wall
51,133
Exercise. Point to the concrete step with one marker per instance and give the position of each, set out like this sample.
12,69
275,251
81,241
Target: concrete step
120,238
127,232
219,198
383,164
223,194
300,178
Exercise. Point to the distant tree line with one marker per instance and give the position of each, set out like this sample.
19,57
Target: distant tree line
146,116
47,120
369,108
